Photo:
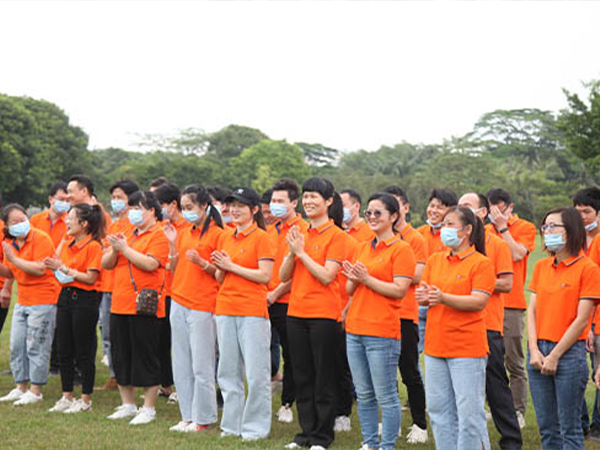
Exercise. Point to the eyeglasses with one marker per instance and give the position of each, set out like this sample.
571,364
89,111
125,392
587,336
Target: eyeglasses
375,214
551,226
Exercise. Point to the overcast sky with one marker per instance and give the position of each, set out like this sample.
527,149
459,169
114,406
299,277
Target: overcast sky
345,74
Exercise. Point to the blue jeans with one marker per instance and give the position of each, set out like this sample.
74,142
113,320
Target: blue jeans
422,322
455,391
31,335
104,322
558,398
194,336
373,363
244,346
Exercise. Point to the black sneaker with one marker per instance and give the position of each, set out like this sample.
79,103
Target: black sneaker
594,433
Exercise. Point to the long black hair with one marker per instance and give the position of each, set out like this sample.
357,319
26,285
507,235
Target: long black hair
94,216
325,189
200,196
467,217
6,212
147,199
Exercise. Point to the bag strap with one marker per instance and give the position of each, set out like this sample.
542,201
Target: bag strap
135,287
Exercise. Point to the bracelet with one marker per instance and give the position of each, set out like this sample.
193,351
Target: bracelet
503,230
173,256
206,266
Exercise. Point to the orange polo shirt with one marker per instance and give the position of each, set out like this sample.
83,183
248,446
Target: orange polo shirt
361,231
31,289
152,242
433,239
593,252
450,332
558,289
84,256
309,297
351,246
370,313
410,307
107,277
56,230
499,253
237,295
192,286
180,225
524,233
278,232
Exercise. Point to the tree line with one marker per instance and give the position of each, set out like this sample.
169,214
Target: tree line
540,157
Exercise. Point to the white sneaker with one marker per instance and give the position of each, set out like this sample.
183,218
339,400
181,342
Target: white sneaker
79,406
124,411
292,445
488,416
63,404
342,423
144,415
521,419
417,435
317,447
173,399
105,360
181,426
13,395
285,414
28,398
195,428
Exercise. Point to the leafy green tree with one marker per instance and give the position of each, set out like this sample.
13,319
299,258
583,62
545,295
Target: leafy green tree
232,140
318,154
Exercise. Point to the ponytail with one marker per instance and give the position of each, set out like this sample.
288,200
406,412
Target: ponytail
325,189
200,196
336,210
467,217
260,219
94,216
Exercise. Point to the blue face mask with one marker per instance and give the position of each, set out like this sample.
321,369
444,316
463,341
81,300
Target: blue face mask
63,278
227,219
190,216
117,205
491,219
450,237
61,207
554,242
165,214
136,217
347,216
592,226
278,210
20,229
436,226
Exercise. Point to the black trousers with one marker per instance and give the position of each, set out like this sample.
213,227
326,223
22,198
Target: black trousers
278,315
76,320
409,370
499,395
343,376
313,350
164,347
3,314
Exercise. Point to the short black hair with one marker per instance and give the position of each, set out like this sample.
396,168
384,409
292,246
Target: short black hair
157,182
127,186
83,181
265,199
483,201
589,196
167,193
289,185
6,212
396,191
389,202
576,235
218,193
354,195
446,196
147,199
498,195
58,186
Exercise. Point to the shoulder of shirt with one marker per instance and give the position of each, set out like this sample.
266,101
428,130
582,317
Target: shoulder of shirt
40,215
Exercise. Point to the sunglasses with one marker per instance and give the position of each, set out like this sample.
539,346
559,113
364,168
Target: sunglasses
376,214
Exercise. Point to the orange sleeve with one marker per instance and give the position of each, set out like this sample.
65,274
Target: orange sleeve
337,250
427,271
404,262
159,248
95,258
266,247
527,237
534,279
590,283
484,278
504,262
595,250
43,247
420,250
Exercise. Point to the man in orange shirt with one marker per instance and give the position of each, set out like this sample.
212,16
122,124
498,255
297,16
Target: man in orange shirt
353,223
440,201
265,202
498,393
409,323
283,204
52,221
520,235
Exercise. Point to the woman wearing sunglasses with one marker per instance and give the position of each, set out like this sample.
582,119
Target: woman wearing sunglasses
378,278
564,290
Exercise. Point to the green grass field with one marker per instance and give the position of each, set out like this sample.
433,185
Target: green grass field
32,427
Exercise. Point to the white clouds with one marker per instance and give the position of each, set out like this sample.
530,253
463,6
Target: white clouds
347,74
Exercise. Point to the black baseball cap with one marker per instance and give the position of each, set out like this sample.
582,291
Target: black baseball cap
246,195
